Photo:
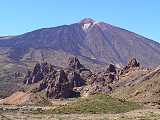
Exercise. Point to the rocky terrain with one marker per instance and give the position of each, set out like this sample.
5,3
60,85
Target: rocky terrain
75,80
94,43
86,67
141,86
76,89
25,98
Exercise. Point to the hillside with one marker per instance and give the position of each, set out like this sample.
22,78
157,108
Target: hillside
94,43
141,86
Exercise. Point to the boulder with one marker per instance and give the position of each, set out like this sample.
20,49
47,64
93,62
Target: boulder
111,69
61,87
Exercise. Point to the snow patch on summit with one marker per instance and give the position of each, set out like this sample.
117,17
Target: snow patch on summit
87,26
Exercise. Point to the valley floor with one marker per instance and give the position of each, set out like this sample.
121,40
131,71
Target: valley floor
144,114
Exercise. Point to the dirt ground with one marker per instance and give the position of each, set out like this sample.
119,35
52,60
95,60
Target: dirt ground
146,114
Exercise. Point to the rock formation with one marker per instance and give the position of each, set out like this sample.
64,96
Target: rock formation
73,80
61,87
93,42
58,83
132,64
77,73
38,73
100,83
74,63
111,69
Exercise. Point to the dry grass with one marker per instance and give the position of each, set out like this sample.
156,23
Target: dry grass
148,114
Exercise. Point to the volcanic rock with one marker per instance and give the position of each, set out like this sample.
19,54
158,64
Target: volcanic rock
96,88
61,87
111,69
132,64
107,77
77,74
60,83
39,72
96,43
100,82
75,79
74,63
67,82
85,74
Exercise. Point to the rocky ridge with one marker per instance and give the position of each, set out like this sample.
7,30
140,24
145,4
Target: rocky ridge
75,80
72,81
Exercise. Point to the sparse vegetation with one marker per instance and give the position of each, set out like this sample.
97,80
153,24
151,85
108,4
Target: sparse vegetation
99,103
147,91
149,114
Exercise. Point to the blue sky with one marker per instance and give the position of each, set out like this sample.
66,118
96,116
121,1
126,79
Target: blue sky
20,16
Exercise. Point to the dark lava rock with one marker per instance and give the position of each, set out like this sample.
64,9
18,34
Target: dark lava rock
28,78
111,69
69,82
97,84
77,74
107,77
100,82
58,84
61,87
74,63
38,73
75,79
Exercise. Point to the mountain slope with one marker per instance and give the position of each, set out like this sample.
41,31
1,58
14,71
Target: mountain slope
143,87
91,41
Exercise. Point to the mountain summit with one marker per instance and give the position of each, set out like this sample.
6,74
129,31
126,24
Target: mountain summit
87,20
92,42
87,23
